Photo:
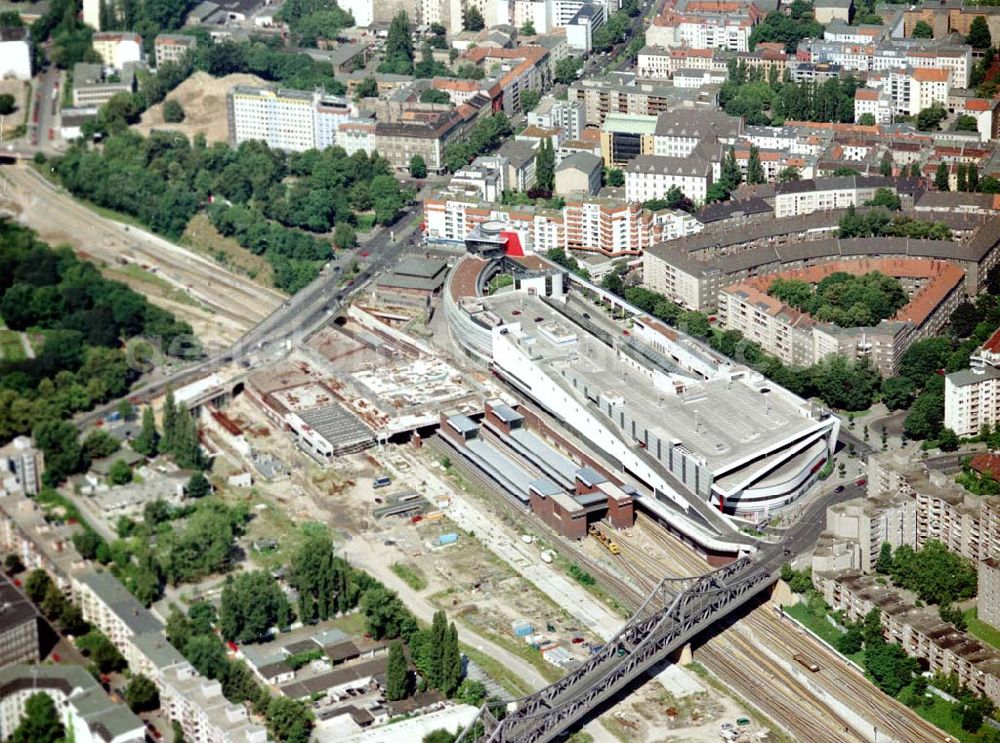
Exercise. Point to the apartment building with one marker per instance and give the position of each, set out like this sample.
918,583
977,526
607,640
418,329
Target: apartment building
988,592
911,90
705,24
421,133
118,48
859,527
972,396
625,137
950,17
85,710
662,63
19,641
831,11
822,194
579,173
291,120
874,102
887,55
602,98
356,135
652,176
566,116
172,47
678,132
590,224
520,70
919,631
21,467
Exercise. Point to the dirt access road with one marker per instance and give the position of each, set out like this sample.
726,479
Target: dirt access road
220,305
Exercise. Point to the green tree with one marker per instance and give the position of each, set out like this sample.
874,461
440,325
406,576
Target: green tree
867,119
185,449
471,692
12,564
528,28
141,694
966,123
396,674
120,473
566,69
41,722
207,655
889,666
530,99
367,88
885,165
198,486
925,417
545,167
755,170
418,167
979,34
451,663
941,178
948,440
99,444
289,720
252,603
897,392
63,453
789,174
615,177
173,112
960,177
37,585
472,19
344,235
929,119
398,47
914,170
324,582
170,417
922,30
887,198
102,653
883,564
385,615
148,439
731,177
851,641
7,106
432,95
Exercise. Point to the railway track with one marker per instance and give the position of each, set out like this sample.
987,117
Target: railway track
731,655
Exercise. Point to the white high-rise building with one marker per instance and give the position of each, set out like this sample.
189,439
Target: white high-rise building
972,396
286,119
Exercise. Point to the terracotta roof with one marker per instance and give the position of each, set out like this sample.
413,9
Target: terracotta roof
986,463
993,342
930,75
866,94
978,104
942,278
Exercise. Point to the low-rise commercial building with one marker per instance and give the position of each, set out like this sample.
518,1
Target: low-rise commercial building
92,88
15,53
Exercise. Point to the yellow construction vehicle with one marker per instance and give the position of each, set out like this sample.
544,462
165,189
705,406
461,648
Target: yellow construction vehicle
607,542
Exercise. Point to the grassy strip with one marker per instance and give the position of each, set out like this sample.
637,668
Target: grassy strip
497,671
411,576
934,710
11,348
820,627
977,627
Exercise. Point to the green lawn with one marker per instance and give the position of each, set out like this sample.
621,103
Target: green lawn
820,627
497,671
11,348
938,712
411,575
366,222
985,632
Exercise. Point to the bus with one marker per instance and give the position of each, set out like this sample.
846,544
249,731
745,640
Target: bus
805,662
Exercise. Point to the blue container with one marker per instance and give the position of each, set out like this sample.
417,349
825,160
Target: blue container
448,538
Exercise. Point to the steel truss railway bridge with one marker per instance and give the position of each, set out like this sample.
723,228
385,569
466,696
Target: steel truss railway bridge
677,610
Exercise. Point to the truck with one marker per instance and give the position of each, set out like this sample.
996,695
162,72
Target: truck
381,481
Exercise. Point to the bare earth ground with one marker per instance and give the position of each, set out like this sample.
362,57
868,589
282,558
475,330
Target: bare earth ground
203,99
19,89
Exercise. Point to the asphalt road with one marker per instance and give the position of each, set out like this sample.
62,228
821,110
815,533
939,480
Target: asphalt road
298,316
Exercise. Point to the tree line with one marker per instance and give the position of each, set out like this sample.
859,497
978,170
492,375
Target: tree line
164,180
764,99
82,320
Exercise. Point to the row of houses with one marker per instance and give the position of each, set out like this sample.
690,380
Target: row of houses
195,702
